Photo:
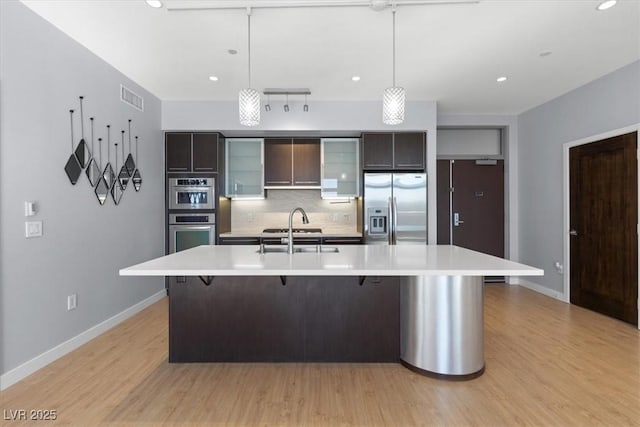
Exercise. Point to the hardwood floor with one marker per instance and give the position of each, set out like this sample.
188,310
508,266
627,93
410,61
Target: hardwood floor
547,363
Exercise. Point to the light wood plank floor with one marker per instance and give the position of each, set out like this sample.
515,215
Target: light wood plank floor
548,363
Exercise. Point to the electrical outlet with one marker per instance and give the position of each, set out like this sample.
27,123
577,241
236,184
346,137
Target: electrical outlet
346,218
559,267
32,229
334,217
72,302
250,217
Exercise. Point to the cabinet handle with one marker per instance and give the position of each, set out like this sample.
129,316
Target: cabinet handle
406,165
378,164
203,169
307,182
278,182
179,169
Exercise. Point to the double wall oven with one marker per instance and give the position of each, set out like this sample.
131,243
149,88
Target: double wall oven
191,212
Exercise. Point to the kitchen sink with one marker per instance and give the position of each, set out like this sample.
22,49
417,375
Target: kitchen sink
299,249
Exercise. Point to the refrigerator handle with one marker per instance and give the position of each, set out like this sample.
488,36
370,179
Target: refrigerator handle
390,221
395,221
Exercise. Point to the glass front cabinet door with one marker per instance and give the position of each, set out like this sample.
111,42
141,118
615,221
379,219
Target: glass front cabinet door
244,168
340,167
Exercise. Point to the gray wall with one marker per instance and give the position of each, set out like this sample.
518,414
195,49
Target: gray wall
608,103
42,73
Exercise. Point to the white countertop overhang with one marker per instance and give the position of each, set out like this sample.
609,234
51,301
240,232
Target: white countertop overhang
351,260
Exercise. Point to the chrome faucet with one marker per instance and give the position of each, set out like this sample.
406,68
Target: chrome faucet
305,220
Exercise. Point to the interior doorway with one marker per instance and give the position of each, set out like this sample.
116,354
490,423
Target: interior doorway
603,226
471,205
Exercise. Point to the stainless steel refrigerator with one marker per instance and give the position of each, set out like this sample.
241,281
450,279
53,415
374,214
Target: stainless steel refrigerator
395,208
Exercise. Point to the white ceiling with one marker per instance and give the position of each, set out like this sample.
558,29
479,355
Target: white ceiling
450,53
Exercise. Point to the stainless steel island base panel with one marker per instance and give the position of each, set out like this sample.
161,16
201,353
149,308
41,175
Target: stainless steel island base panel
442,326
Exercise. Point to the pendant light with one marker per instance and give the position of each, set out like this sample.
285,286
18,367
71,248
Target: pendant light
393,97
249,99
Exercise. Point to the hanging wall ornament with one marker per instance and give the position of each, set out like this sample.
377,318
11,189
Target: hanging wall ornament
117,190
108,174
123,175
73,168
130,163
137,176
93,171
82,151
102,188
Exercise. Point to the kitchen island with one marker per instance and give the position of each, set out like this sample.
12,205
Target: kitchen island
419,305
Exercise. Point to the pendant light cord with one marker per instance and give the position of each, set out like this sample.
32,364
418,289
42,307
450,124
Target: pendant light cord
249,41
394,46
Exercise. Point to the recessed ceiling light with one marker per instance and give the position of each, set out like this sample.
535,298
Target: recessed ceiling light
606,4
501,79
355,78
154,3
545,53
213,78
232,51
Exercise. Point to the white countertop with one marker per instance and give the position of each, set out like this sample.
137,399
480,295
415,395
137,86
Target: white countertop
352,260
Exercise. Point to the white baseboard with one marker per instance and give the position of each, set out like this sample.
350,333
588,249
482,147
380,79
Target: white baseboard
16,374
542,289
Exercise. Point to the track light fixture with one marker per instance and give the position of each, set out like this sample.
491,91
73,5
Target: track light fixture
286,92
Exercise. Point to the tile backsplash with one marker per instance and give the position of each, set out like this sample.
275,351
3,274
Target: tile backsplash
333,216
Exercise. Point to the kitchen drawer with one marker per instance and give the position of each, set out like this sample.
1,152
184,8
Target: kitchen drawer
239,240
342,240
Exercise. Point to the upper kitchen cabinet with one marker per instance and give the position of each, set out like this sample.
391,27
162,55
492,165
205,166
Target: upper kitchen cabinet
377,151
306,161
192,152
291,162
205,152
340,167
244,168
278,162
409,150
394,151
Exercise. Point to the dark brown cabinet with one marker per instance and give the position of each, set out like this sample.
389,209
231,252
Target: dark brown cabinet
291,162
205,152
192,152
178,152
306,161
278,162
394,151
239,240
377,151
409,150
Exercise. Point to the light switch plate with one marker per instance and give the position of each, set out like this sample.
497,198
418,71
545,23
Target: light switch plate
33,229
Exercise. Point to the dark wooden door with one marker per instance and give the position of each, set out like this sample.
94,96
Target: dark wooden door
603,223
306,161
409,151
277,162
205,152
178,152
377,151
478,199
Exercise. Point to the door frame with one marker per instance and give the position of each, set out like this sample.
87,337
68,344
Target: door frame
566,203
